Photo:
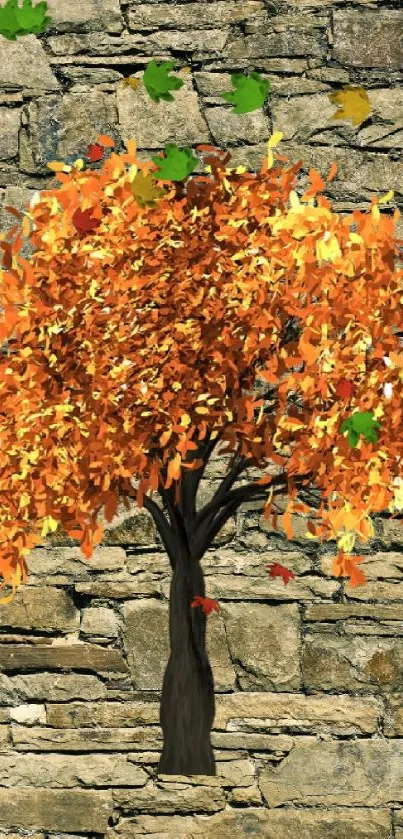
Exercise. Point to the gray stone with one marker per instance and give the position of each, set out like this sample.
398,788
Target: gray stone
190,15
264,645
99,622
24,64
9,127
52,687
351,43
152,124
61,127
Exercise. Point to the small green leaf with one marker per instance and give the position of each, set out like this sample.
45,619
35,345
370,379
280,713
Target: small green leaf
176,165
26,20
157,81
361,422
250,93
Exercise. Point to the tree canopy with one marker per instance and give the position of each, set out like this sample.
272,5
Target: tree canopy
143,318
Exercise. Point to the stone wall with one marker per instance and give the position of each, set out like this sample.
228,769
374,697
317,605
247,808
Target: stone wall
308,734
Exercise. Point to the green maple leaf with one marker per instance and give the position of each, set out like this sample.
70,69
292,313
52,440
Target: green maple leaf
361,422
250,93
177,163
25,20
157,81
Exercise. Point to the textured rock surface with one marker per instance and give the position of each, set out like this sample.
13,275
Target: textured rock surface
309,676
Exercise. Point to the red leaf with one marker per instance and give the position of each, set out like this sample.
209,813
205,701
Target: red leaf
344,388
83,222
95,152
278,570
207,604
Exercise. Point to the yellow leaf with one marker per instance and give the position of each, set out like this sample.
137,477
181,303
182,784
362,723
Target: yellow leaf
57,166
388,197
131,82
272,142
353,104
346,542
49,526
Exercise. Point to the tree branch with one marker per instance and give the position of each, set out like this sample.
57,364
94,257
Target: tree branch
238,465
214,520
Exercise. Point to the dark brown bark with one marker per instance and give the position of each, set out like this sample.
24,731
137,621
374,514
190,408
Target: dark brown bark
187,701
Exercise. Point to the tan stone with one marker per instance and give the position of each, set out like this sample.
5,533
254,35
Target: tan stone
30,610
352,46
393,725
307,823
341,611
352,663
318,771
146,639
15,657
43,739
376,566
102,714
81,810
234,587
376,591
53,770
105,16
64,565
336,714
170,796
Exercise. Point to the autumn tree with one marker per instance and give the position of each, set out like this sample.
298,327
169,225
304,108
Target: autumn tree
141,325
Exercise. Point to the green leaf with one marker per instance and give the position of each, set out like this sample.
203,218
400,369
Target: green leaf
361,422
250,93
157,81
26,20
176,165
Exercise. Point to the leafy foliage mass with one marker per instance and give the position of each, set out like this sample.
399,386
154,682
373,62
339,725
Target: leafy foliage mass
27,19
140,328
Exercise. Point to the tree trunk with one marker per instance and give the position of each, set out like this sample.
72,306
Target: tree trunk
187,701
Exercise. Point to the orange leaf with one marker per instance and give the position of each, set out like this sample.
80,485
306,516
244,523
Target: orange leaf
106,141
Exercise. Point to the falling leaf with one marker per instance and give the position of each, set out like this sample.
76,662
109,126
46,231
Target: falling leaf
95,152
145,189
83,222
353,104
131,82
207,604
344,388
157,81
249,94
176,165
278,570
361,422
